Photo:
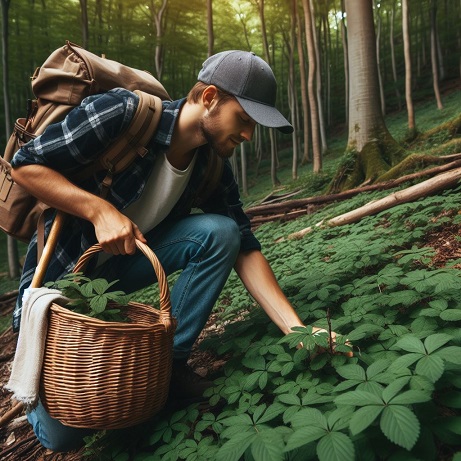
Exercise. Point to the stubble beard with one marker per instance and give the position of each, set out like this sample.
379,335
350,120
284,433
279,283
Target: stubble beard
208,128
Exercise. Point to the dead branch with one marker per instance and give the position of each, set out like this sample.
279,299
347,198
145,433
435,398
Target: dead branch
423,189
290,205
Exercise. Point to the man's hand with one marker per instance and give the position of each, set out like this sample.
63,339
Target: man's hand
115,232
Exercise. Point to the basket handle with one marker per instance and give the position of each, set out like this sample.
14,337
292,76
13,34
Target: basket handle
165,303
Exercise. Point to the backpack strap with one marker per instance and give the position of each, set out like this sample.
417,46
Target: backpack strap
130,144
212,176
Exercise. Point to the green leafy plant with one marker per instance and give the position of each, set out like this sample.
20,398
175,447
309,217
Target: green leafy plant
377,284
91,297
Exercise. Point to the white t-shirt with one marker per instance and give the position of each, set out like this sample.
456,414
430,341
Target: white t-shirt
163,189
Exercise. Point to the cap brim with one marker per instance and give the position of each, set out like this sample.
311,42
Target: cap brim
265,115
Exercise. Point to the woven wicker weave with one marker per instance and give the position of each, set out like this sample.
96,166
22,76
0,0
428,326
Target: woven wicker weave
108,375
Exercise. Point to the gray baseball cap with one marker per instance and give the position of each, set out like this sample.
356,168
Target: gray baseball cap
250,79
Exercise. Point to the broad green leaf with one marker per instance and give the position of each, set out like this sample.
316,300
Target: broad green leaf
358,399
303,436
451,315
335,446
436,341
100,286
364,417
268,446
400,425
258,412
450,354
403,362
410,397
411,344
364,331
289,399
234,448
355,372
309,417
254,363
339,419
238,420
271,413
430,366
252,379
87,289
262,381
98,303
394,388
377,367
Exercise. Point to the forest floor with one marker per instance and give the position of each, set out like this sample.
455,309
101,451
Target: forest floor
17,440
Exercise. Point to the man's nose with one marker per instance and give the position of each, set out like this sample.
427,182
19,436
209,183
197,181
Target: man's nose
247,132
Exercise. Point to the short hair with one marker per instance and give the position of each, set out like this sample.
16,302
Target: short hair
197,90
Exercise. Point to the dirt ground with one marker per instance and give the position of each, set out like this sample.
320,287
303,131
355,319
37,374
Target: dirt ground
17,441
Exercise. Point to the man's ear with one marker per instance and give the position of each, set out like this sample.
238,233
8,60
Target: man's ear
210,94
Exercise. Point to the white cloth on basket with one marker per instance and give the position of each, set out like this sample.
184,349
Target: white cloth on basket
24,380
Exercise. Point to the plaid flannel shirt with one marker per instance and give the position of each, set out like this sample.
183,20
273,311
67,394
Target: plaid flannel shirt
78,140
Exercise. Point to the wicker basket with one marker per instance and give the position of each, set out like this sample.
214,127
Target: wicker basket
108,375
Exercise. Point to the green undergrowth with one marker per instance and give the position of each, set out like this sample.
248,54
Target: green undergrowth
374,282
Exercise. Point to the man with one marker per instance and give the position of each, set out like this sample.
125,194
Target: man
151,201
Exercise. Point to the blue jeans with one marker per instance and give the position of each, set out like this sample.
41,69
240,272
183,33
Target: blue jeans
204,247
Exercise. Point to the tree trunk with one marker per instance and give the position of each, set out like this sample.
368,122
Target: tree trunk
378,62
209,10
374,148
365,118
408,75
346,59
12,245
318,87
275,180
317,155
85,33
303,83
157,16
392,44
430,186
434,60
292,93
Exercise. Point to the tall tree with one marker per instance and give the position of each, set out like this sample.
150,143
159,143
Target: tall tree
408,71
392,44
84,16
317,155
375,149
157,15
274,161
434,54
209,11
12,246
303,83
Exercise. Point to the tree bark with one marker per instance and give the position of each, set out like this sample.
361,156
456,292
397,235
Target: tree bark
303,83
317,155
209,10
408,71
392,44
84,15
429,187
11,244
434,60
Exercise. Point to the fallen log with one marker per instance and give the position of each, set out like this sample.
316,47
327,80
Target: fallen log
289,205
430,186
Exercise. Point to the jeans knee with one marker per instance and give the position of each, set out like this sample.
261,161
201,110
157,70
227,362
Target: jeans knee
226,232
